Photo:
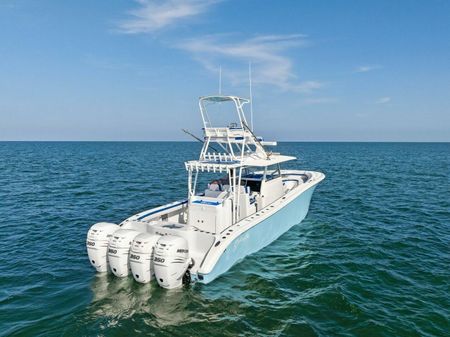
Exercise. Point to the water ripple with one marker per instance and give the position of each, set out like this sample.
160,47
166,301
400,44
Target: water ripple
371,258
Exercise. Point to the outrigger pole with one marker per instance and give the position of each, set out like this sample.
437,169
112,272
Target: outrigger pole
251,93
256,139
220,80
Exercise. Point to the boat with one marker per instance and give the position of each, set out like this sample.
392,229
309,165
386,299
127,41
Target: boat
248,203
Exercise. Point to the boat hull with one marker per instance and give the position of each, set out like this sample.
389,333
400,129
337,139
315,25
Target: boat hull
262,234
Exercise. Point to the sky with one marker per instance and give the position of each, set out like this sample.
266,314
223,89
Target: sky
336,70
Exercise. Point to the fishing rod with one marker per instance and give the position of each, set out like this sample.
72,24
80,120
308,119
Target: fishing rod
199,139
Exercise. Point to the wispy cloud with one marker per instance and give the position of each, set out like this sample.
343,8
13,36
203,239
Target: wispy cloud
267,54
383,100
154,15
367,68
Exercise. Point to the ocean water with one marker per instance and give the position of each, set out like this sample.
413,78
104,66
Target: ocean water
372,258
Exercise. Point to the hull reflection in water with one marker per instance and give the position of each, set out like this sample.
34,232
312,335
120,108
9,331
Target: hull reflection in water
121,298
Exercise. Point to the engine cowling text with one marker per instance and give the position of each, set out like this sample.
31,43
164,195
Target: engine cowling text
134,257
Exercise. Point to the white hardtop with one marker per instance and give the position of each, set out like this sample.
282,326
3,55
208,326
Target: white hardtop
238,102
222,98
214,163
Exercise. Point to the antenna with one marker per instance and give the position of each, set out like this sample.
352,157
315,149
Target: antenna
251,93
220,80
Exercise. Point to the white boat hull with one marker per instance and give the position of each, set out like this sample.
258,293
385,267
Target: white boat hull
208,255
250,202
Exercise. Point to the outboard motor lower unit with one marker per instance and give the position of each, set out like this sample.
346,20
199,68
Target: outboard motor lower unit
171,261
118,250
97,244
141,257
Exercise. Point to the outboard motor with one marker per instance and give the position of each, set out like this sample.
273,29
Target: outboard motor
171,261
118,250
141,257
97,244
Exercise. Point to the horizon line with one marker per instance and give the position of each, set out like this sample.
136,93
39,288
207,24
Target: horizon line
192,141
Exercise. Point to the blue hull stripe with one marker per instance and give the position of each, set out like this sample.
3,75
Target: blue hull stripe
205,202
